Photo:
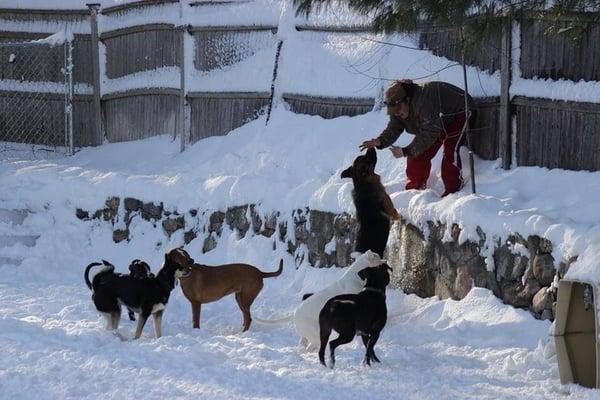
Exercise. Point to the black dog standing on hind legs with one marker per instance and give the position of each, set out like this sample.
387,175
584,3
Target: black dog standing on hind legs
374,208
364,314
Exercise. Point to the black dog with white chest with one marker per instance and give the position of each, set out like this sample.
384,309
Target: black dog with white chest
146,296
364,314
374,208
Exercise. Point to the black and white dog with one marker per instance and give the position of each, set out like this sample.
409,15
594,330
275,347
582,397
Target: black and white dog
145,296
364,314
138,269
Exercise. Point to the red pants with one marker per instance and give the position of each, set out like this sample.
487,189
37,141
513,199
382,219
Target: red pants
419,167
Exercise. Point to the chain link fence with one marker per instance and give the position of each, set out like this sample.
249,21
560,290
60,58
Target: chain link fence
36,98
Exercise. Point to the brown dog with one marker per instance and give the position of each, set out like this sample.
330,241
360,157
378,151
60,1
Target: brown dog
374,208
206,284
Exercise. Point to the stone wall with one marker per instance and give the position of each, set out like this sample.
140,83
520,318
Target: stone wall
426,265
324,238
523,272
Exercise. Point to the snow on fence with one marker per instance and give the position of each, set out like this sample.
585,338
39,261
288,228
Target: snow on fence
218,47
141,55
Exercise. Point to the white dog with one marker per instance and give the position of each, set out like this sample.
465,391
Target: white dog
306,315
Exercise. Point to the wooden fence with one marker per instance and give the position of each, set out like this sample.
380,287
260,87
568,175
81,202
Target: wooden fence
543,126
217,113
141,48
141,113
553,134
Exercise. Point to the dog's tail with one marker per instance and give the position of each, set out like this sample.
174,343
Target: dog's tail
108,267
279,321
273,274
86,274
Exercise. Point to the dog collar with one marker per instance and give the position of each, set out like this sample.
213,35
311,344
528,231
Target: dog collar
372,289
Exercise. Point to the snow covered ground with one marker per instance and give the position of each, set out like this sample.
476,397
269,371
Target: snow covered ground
53,345
52,342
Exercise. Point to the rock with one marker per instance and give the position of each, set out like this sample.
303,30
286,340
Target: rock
188,236
210,243
463,283
504,260
547,315
343,248
300,231
519,266
82,215
172,225
132,204
112,209
256,220
151,211
282,231
543,269
235,217
442,288
545,245
517,295
542,300
321,234
270,225
215,222
120,234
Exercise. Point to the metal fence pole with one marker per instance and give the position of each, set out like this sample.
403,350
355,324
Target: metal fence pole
69,97
94,7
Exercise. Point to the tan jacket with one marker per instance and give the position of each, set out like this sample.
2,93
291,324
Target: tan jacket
432,106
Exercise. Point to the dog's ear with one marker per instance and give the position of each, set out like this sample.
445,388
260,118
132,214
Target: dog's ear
372,156
348,172
363,273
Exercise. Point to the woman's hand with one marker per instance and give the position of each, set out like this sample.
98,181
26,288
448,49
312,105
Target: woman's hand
367,144
397,151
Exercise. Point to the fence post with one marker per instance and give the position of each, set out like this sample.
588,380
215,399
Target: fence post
99,134
505,115
273,80
183,131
